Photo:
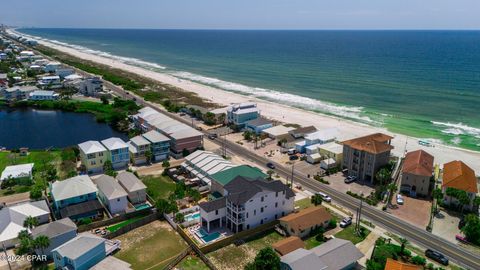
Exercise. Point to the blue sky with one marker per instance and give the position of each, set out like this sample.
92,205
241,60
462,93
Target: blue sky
244,14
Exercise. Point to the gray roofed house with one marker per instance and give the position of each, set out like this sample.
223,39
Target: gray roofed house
90,147
111,193
82,252
242,189
334,254
154,136
136,189
79,245
72,188
213,205
59,232
114,143
139,140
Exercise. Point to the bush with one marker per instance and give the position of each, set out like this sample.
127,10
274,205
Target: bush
332,224
419,260
85,221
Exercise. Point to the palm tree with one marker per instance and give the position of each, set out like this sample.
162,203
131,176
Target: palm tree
463,200
30,222
316,199
392,188
41,242
403,242
270,173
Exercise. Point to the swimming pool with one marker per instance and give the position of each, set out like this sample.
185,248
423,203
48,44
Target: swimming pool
206,237
142,206
193,216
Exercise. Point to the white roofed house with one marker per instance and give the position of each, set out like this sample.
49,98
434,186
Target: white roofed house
117,152
203,164
52,67
43,95
136,189
93,155
12,218
111,194
50,82
17,92
240,113
21,173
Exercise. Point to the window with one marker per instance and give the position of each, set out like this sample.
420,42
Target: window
283,202
118,199
275,216
216,212
261,199
254,212
261,209
100,154
248,226
276,204
247,214
261,221
276,194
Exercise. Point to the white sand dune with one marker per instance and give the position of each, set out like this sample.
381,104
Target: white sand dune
348,129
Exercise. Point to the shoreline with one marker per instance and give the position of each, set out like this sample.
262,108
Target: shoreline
283,113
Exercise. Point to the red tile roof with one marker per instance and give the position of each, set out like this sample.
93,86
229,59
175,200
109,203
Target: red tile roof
418,163
288,245
457,174
374,143
307,218
396,265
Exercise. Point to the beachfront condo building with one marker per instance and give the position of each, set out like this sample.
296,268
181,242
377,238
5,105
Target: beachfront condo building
117,152
91,86
364,156
138,147
246,204
240,113
93,155
417,172
459,176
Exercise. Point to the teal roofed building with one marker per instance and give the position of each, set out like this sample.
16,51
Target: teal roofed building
222,178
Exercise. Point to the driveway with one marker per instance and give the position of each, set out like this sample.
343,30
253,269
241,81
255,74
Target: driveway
415,211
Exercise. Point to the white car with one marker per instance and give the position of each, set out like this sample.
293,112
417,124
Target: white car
399,199
324,196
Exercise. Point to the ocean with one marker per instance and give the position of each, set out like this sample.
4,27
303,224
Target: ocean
424,84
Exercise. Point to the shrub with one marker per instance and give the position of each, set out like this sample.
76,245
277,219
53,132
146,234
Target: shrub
419,260
332,224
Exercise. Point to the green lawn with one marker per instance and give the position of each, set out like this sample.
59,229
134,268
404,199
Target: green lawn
36,157
159,187
303,203
233,257
350,235
311,242
117,226
192,263
151,246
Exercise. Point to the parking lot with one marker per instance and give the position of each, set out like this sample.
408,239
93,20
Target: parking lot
445,225
337,182
415,211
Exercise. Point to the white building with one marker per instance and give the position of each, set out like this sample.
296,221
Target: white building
17,171
247,204
12,218
52,67
43,95
91,86
239,113
50,82
18,92
202,164
111,194
64,72
136,189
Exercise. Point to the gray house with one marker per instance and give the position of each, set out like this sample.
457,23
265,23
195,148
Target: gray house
111,194
136,189
59,232
335,254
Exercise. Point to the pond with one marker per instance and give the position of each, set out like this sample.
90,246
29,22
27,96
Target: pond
40,129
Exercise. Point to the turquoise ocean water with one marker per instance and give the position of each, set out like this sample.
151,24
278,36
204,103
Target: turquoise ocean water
419,83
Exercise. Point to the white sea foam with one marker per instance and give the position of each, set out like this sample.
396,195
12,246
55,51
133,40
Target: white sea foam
456,140
281,97
458,129
126,60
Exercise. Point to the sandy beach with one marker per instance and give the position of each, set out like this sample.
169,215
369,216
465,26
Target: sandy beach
347,129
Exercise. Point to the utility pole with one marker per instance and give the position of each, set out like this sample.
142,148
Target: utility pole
293,169
6,256
359,215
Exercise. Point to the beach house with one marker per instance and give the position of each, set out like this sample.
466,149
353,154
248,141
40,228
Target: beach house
92,155
43,95
76,198
17,92
247,204
223,177
50,82
335,254
64,72
457,175
91,86
417,173
315,139
239,114
51,67
138,146
117,152
111,194
364,156
12,218
136,189
258,125
159,145
59,232
80,253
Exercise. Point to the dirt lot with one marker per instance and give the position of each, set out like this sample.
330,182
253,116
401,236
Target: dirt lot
415,211
445,225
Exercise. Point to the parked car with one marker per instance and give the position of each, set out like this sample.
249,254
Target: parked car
293,157
324,196
461,238
291,151
346,222
212,136
350,179
399,199
436,256
271,165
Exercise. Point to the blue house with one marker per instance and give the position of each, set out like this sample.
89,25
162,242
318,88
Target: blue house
258,125
118,152
76,198
239,114
159,145
81,253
